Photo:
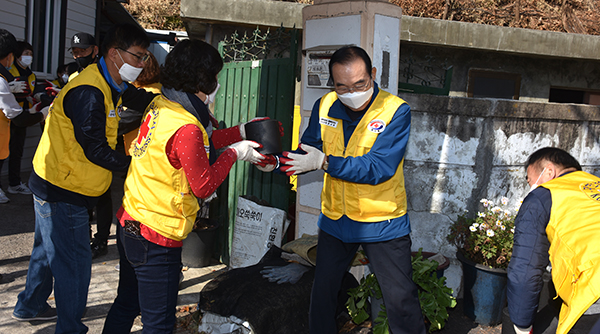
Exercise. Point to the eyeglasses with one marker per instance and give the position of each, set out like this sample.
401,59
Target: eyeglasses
356,88
143,58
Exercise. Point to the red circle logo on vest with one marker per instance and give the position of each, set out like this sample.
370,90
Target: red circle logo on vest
140,145
376,126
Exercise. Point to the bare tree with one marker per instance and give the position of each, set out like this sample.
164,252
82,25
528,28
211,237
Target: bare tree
156,14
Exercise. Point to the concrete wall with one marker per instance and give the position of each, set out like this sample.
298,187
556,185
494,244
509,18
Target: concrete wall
462,150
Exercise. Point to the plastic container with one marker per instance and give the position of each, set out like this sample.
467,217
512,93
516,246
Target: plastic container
265,132
197,248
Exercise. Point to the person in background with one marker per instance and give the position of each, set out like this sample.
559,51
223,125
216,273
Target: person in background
63,72
72,167
84,51
358,134
557,224
148,80
174,164
12,112
21,70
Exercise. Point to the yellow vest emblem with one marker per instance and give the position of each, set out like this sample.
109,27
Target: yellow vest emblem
592,190
146,131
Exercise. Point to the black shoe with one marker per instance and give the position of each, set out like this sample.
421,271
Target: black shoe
99,248
50,314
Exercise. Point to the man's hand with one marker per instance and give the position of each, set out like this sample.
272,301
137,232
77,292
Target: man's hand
17,87
268,164
245,151
301,163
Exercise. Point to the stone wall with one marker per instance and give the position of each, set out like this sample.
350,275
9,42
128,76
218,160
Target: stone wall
463,149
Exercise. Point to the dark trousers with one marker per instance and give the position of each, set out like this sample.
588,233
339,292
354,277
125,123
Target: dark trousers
15,147
148,283
391,263
104,216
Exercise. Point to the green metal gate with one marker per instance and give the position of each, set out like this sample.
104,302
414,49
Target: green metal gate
253,84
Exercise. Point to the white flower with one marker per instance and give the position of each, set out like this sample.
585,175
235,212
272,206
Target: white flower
486,202
496,209
512,230
504,200
498,223
502,227
483,227
490,233
481,214
475,225
507,213
473,228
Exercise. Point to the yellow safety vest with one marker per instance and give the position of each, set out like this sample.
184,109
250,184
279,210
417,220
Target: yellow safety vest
59,159
4,133
157,194
360,202
30,82
574,235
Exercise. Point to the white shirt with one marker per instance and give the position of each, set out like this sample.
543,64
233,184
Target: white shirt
8,102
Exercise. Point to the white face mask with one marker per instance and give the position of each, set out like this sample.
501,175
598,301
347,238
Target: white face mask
210,98
535,184
65,78
26,60
357,99
128,72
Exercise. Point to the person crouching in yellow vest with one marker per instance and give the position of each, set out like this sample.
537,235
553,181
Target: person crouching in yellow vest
72,167
560,217
174,163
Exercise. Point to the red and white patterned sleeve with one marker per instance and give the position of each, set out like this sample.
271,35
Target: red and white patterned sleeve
186,150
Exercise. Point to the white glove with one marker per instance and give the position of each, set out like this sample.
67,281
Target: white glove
17,86
245,150
45,110
527,330
268,164
301,163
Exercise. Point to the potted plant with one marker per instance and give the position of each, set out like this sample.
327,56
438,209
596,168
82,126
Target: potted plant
484,247
434,296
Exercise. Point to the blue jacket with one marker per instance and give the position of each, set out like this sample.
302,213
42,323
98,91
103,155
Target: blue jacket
529,258
373,168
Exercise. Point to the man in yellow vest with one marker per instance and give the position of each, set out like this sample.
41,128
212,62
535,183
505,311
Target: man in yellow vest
560,217
72,167
358,135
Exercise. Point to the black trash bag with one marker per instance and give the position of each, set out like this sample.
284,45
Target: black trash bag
267,306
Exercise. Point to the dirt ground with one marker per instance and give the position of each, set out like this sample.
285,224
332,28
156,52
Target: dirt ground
188,319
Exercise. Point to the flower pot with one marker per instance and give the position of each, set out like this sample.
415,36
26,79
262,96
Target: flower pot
197,248
442,266
484,291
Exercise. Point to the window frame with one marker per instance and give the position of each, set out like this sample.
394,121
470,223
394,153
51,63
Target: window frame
492,74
